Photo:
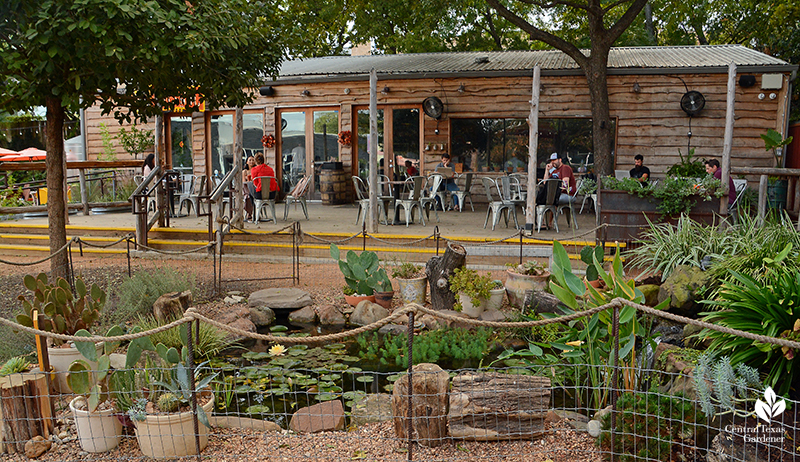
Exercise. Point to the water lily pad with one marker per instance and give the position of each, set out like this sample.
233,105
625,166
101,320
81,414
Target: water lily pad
256,356
393,378
353,370
389,387
285,362
353,394
326,396
365,379
338,367
298,334
278,328
244,389
335,346
332,389
257,409
349,359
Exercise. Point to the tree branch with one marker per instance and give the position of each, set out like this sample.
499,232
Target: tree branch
626,20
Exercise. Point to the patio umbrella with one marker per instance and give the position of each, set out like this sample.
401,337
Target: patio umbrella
25,154
6,152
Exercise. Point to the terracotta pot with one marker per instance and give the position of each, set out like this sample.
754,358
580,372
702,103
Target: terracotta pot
354,300
384,299
413,290
516,285
597,283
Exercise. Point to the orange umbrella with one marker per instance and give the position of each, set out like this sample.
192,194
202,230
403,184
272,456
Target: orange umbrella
25,154
6,152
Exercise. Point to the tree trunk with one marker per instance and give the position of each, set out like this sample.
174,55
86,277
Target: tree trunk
25,409
602,128
428,411
56,202
439,270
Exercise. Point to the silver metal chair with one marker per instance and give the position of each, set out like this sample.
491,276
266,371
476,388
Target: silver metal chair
740,186
192,200
497,207
362,196
428,194
414,187
298,194
260,203
465,193
553,186
569,207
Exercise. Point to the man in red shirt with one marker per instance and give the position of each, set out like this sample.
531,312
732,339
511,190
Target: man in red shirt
262,169
564,173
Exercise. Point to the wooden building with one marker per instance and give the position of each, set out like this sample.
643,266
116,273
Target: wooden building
307,115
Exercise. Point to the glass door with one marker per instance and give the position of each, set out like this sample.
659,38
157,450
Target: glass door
181,144
326,145
395,146
293,148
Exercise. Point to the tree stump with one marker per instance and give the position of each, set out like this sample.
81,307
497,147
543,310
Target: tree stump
493,406
25,409
439,269
429,405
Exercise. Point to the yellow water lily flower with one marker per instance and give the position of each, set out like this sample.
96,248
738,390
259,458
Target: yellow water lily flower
277,350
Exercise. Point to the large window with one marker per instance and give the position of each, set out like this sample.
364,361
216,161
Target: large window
502,144
221,144
181,143
308,138
253,127
293,147
395,146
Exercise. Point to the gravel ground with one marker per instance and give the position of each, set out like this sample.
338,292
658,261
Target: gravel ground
369,442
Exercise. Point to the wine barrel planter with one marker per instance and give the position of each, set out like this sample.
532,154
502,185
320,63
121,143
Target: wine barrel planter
627,215
334,187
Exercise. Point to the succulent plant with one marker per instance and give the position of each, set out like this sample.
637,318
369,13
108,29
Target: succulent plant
168,402
65,312
14,366
362,272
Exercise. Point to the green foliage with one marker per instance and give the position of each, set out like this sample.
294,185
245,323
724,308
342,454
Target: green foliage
690,166
136,141
589,186
629,185
362,272
769,309
15,365
529,268
467,281
109,153
138,293
679,194
407,270
64,312
588,254
212,342
772,141
720,388
429,347
648,424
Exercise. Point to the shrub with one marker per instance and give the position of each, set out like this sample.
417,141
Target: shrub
212,340
138,293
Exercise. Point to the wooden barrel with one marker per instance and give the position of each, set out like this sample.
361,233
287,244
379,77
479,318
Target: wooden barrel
334,187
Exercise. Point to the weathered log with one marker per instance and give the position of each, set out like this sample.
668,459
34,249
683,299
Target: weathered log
493,406
25,409
539,301
429,405
439,269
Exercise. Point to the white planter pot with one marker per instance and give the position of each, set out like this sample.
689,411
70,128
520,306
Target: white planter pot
496,299
98,431
469,309
60,360
413,290
171,435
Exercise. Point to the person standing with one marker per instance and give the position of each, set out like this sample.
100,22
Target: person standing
247,178
149,164
639,171
712,168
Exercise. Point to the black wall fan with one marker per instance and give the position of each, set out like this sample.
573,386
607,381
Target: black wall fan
692,102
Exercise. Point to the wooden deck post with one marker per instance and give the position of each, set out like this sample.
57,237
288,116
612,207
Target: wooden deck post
727,142
533,145
237,203
373,151
762,199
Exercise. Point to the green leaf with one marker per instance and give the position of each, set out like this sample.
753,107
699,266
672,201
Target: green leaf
575,284
29,282
565,296
334,251
79,377
87,349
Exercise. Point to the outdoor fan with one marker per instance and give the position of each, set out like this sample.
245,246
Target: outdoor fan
692,102
433,107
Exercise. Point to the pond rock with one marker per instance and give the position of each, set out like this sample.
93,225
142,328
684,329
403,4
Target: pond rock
306,315
679,369
280,298
393,329
37,446
650,292
329,315
367,312
681,289
374,407
239,318
262,316
327,416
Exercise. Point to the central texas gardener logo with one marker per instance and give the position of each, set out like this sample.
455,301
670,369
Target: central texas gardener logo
770,409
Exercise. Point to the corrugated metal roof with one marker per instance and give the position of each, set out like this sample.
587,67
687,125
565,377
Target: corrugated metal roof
629,58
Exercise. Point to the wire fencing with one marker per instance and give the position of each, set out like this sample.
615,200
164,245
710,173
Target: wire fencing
353,395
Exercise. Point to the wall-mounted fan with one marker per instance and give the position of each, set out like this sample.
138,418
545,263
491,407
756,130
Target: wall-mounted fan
433,107
692,102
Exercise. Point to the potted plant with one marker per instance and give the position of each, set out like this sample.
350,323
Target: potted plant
530,275
383,290
163,419
776,187
95,409
472,289
496,294
412,282
361,273
64,312
588,256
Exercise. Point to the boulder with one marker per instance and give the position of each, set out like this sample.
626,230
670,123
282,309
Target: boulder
669,332
171,306
262,316
327,416
650,292
237,317
367,312
305,315
329,315
690,341
393,329
431,322
375,407
233,299
280,298
595,428
681,289
493,315
678,368
429,402
37,446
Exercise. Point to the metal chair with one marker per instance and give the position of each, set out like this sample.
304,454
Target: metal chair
264,200
192,200
386,194
298,194
428,194
740,186
497,207
362,196
552,186
568,207
465,193
414,187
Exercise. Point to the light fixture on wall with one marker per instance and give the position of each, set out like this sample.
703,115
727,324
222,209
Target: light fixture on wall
385,90
305,92
461,88
637,88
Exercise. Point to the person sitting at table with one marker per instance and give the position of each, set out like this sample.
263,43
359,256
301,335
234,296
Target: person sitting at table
410,169
262,169
713,169
639,171
449,184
